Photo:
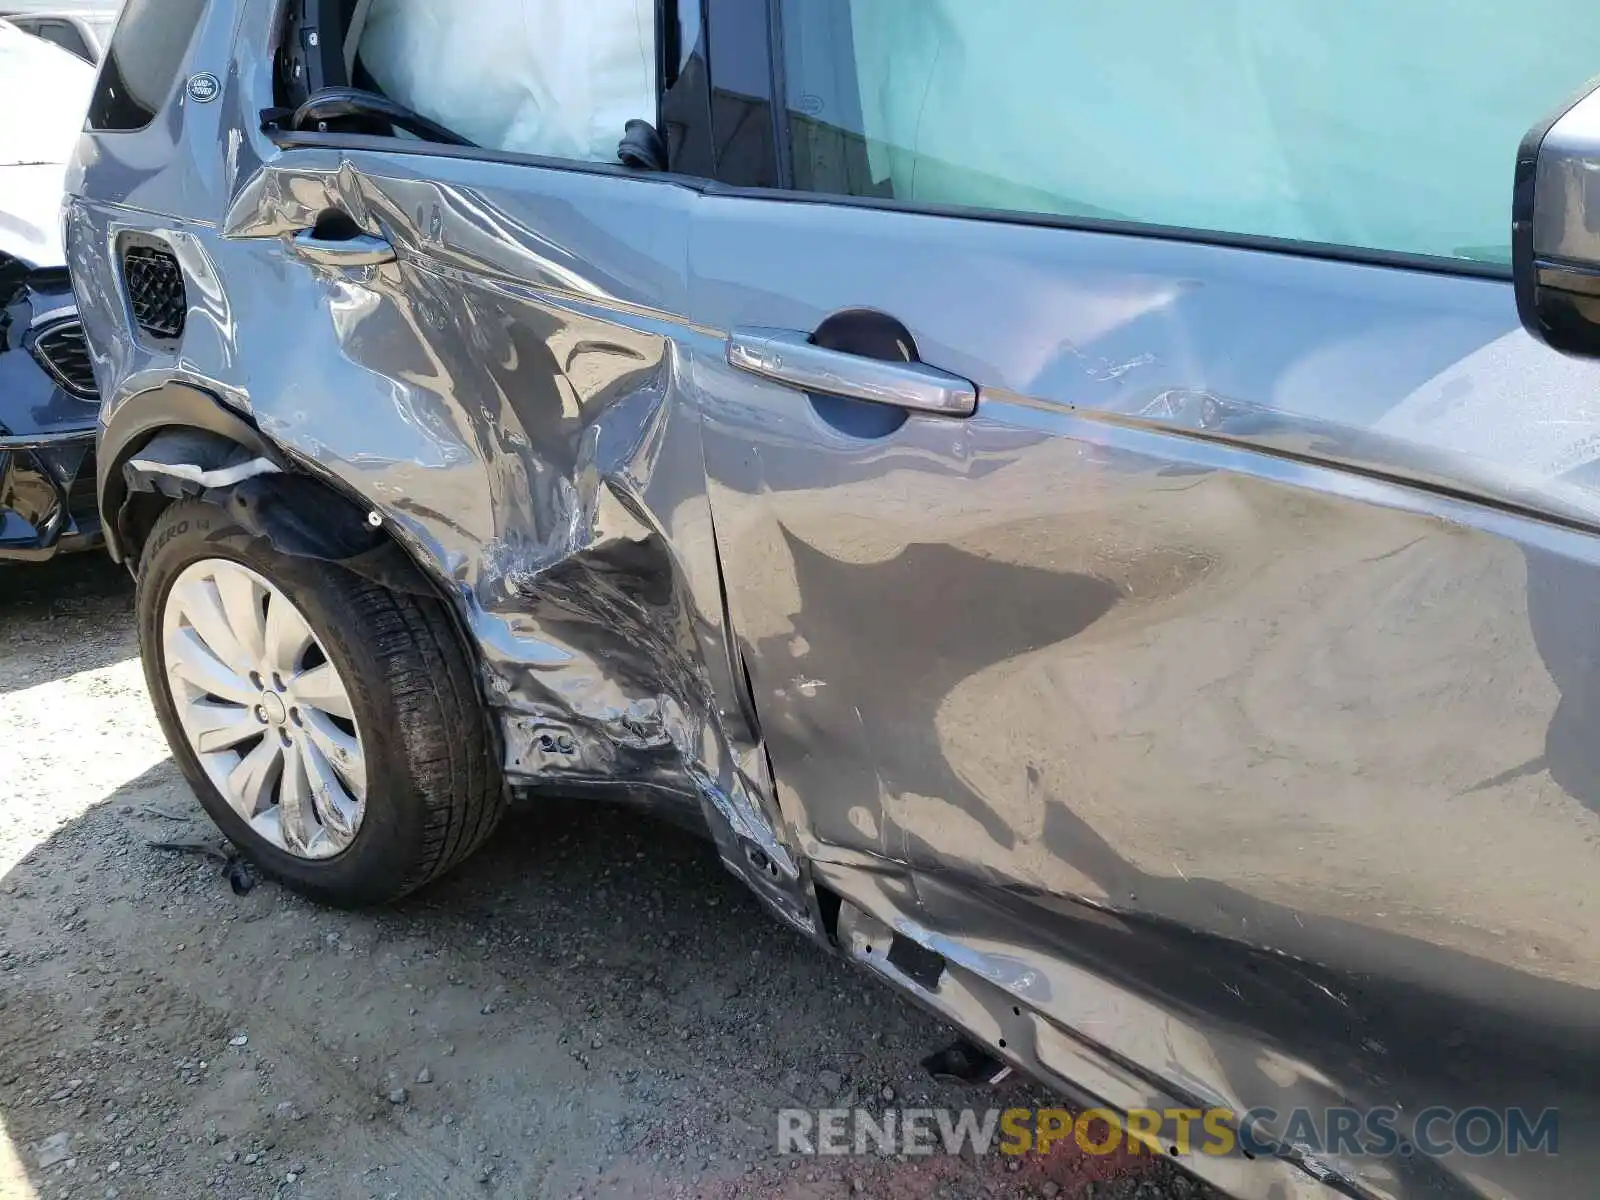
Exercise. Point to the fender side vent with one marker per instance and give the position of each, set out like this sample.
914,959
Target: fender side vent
155,290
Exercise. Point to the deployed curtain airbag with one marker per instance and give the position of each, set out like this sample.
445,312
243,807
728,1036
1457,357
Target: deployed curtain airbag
560,78
1360,123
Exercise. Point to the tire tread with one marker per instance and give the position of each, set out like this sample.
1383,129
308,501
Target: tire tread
444,731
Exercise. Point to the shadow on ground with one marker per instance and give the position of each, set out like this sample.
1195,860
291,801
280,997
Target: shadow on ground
78,598
591,1006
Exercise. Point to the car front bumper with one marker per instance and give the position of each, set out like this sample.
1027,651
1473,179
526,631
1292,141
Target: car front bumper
47,494
48,418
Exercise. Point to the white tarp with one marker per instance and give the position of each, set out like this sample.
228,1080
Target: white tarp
44,94
560,78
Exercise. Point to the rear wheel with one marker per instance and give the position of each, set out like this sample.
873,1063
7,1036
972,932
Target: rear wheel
330,726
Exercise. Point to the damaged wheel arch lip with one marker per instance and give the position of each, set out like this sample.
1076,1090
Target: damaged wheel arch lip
141,416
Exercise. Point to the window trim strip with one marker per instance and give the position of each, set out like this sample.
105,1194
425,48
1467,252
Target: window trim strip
1361,256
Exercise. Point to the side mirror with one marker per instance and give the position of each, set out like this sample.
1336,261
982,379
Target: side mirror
1555,229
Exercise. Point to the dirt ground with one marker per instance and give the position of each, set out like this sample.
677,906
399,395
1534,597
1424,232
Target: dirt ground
590,1008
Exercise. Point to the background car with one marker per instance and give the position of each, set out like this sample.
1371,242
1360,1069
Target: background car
82,31
1085,503
48,399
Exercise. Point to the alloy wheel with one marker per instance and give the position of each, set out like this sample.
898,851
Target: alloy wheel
264,708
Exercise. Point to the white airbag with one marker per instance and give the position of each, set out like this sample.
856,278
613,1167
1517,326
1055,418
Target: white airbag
560,78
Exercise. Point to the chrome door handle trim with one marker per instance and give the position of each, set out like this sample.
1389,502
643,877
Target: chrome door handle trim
363,250
786,357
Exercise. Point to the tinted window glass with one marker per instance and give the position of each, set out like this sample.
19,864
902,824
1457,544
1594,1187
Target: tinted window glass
1362,123
742,111
143,62
65,36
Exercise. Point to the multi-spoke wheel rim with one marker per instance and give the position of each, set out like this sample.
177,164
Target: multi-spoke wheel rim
264,708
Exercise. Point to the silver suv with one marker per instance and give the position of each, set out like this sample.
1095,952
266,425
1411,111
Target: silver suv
1061,493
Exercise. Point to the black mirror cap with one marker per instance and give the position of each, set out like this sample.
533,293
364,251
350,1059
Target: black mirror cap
1555,229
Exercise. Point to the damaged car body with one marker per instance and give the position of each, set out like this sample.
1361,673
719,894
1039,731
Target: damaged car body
47,418
1162,641
48,400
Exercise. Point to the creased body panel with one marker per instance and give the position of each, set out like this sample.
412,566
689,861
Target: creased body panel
546,460
506,397
1234,652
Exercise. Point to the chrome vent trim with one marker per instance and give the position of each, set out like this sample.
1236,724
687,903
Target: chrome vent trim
61,349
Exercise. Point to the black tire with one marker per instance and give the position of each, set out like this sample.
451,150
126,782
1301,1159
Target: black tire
435,791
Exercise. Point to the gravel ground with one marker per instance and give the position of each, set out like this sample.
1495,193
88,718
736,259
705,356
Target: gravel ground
591,1008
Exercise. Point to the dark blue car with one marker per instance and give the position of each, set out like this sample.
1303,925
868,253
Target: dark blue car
48,400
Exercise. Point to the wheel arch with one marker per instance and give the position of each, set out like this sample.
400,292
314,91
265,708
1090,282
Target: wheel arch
300,513
178,441
133,426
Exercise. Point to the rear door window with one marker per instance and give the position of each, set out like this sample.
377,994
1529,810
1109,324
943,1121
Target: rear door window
65,35
142,64
1362,123
552,78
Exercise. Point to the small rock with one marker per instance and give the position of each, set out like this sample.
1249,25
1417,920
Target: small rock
251,1159
241,1040
287,1110
424,1076
298,1168
1050,1189
398,1096
830,1081
290,1177
484,1174
887,1093
54,1150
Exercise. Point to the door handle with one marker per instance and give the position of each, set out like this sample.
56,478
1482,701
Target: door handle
359,250
789,358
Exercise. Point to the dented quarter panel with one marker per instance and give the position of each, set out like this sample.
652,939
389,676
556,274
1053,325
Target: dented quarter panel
508,398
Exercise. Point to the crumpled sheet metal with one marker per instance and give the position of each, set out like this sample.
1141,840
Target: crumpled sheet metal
622,689
539,450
